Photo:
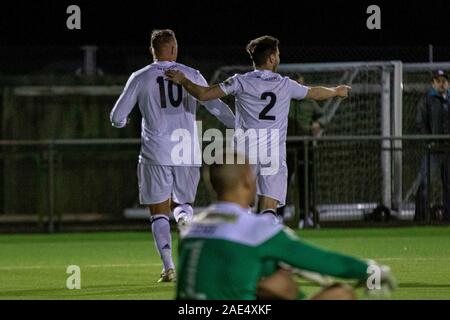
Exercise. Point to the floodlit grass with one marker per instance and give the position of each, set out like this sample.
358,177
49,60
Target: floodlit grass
126,265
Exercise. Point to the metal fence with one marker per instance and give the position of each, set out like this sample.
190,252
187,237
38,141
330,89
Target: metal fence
47,181
57,179
122,60
344,179
374,107
356,170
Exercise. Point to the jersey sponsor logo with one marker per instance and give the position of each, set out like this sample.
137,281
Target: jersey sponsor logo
264,77
216,218
202,229
237,226
268,79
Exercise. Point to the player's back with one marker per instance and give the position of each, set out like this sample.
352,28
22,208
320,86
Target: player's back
164,104
219,256
165,108
262,102
263,98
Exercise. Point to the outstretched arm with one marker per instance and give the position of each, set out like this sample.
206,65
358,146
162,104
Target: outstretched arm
323,93
199,92
287,248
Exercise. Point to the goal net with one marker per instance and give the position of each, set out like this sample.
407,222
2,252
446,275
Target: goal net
352,175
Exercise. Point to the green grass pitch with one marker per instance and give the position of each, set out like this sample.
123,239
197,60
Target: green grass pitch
126,266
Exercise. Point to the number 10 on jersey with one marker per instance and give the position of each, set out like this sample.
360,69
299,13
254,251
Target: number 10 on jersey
174,102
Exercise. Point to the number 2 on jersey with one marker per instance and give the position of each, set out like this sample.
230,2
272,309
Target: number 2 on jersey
273,99
162,93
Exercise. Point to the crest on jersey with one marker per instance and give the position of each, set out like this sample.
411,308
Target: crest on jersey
229,82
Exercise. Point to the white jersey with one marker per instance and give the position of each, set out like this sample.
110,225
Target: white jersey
262,101
167,111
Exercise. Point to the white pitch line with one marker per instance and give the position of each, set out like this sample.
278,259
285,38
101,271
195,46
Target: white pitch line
412,259
37,267
122,265
8,268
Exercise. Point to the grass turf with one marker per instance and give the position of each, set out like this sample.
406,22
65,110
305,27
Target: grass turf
126,266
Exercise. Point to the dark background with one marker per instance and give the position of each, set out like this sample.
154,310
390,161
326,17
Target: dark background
34,38
225,22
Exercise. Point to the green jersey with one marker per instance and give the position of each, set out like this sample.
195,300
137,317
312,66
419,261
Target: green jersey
226,251
302,114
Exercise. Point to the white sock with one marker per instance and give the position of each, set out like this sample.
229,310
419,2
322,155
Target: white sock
163,239
183,211
270,213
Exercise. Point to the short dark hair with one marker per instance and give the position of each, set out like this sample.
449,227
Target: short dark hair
261,48
160,38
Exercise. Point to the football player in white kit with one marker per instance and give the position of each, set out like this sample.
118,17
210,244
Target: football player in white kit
164,184
262,102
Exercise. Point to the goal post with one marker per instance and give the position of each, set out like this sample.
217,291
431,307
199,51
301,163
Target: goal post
374,108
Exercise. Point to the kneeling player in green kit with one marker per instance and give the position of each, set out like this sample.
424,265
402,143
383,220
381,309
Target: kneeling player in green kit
228,253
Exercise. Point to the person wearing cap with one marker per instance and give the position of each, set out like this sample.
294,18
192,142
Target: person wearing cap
433,118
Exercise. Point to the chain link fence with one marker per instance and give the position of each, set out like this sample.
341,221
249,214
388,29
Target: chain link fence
113,60
351,178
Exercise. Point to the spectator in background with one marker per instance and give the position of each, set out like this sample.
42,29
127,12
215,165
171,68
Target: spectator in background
433,118
306,118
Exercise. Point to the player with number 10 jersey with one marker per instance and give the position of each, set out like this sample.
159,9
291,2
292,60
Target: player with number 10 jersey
166,185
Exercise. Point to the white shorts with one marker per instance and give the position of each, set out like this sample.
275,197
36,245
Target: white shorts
159,183
274,185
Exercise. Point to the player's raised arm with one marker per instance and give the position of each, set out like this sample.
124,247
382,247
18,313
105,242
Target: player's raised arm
125,103
323,93
199,92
